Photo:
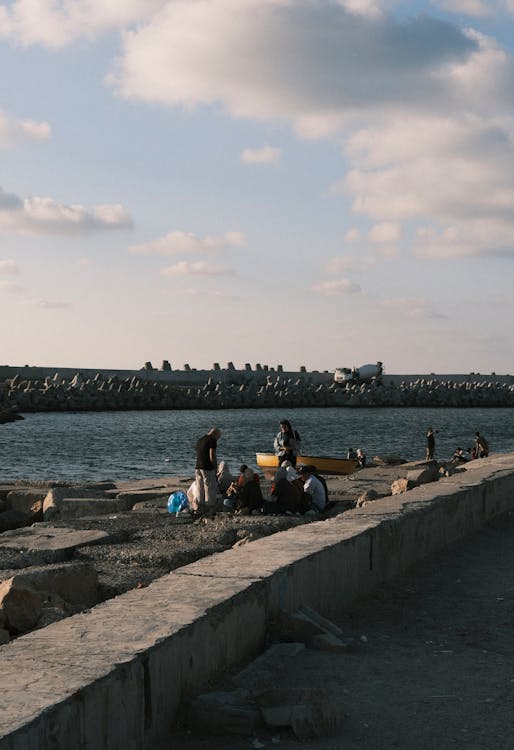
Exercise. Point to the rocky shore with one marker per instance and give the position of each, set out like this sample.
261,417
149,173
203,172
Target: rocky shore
270,389
66,547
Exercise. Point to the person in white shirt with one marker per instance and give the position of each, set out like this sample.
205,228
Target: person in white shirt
313,487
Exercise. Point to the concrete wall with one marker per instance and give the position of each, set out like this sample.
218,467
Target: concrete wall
114,678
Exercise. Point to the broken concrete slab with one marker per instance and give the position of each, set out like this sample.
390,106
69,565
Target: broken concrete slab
75,582
20,606
133,497
46,544
23,499
224,712
13,519
310,712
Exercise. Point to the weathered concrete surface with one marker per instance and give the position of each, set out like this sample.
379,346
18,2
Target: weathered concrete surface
75,582
45,544
73,507
115,677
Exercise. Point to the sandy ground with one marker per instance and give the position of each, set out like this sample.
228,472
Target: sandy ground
436,670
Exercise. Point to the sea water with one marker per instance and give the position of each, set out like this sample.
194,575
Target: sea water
139,444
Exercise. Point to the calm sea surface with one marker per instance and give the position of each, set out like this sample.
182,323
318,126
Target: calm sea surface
138,444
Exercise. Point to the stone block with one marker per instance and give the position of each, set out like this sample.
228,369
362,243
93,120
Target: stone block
425,474
74,582
294,627
13,519
21,606
310,712
73,507
367,497
4,636
24,499
399,486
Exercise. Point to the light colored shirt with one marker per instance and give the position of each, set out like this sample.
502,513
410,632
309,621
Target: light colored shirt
316,490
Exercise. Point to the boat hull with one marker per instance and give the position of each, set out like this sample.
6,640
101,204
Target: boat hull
324,464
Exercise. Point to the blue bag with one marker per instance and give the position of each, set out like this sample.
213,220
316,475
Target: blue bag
177,501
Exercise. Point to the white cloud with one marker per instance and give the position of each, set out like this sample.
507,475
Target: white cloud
426,108
363,7
414,307
14,131
341,286
192,292
178,242
47,304
8,267
316,65
39,216
197,268
58,23
472,238
264,155
386,231
353,235
10,287
455,171
343,264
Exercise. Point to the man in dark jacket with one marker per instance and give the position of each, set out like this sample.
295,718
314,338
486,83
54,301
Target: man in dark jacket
205,470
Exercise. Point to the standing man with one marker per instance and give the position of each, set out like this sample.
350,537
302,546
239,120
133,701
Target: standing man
205,471
430,444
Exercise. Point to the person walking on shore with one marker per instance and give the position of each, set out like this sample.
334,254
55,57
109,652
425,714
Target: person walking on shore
205,470
430,444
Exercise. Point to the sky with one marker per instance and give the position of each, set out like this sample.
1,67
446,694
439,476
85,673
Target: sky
324,183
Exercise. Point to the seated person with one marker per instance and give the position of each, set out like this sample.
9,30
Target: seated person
314,487
224,477
460,455
361,458
246,492
351,454
287,496
291,472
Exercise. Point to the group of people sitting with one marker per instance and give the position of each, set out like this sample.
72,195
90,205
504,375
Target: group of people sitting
480,450
301,491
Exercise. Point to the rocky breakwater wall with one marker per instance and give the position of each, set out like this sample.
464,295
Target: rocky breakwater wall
102,392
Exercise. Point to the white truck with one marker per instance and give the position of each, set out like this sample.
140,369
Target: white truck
364,374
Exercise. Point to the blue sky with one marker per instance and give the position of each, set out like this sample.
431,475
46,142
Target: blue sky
318,182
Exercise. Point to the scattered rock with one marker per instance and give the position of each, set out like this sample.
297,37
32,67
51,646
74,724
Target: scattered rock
367,497
400,486
425,474
310,712
21,606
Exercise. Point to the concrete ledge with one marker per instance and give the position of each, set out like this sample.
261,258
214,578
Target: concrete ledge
114,678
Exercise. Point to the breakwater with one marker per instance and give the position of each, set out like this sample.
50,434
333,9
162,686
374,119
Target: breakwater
31,390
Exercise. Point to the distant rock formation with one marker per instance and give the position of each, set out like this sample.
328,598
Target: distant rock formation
239,389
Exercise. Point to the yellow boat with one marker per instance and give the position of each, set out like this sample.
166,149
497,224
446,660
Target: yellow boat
323,464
